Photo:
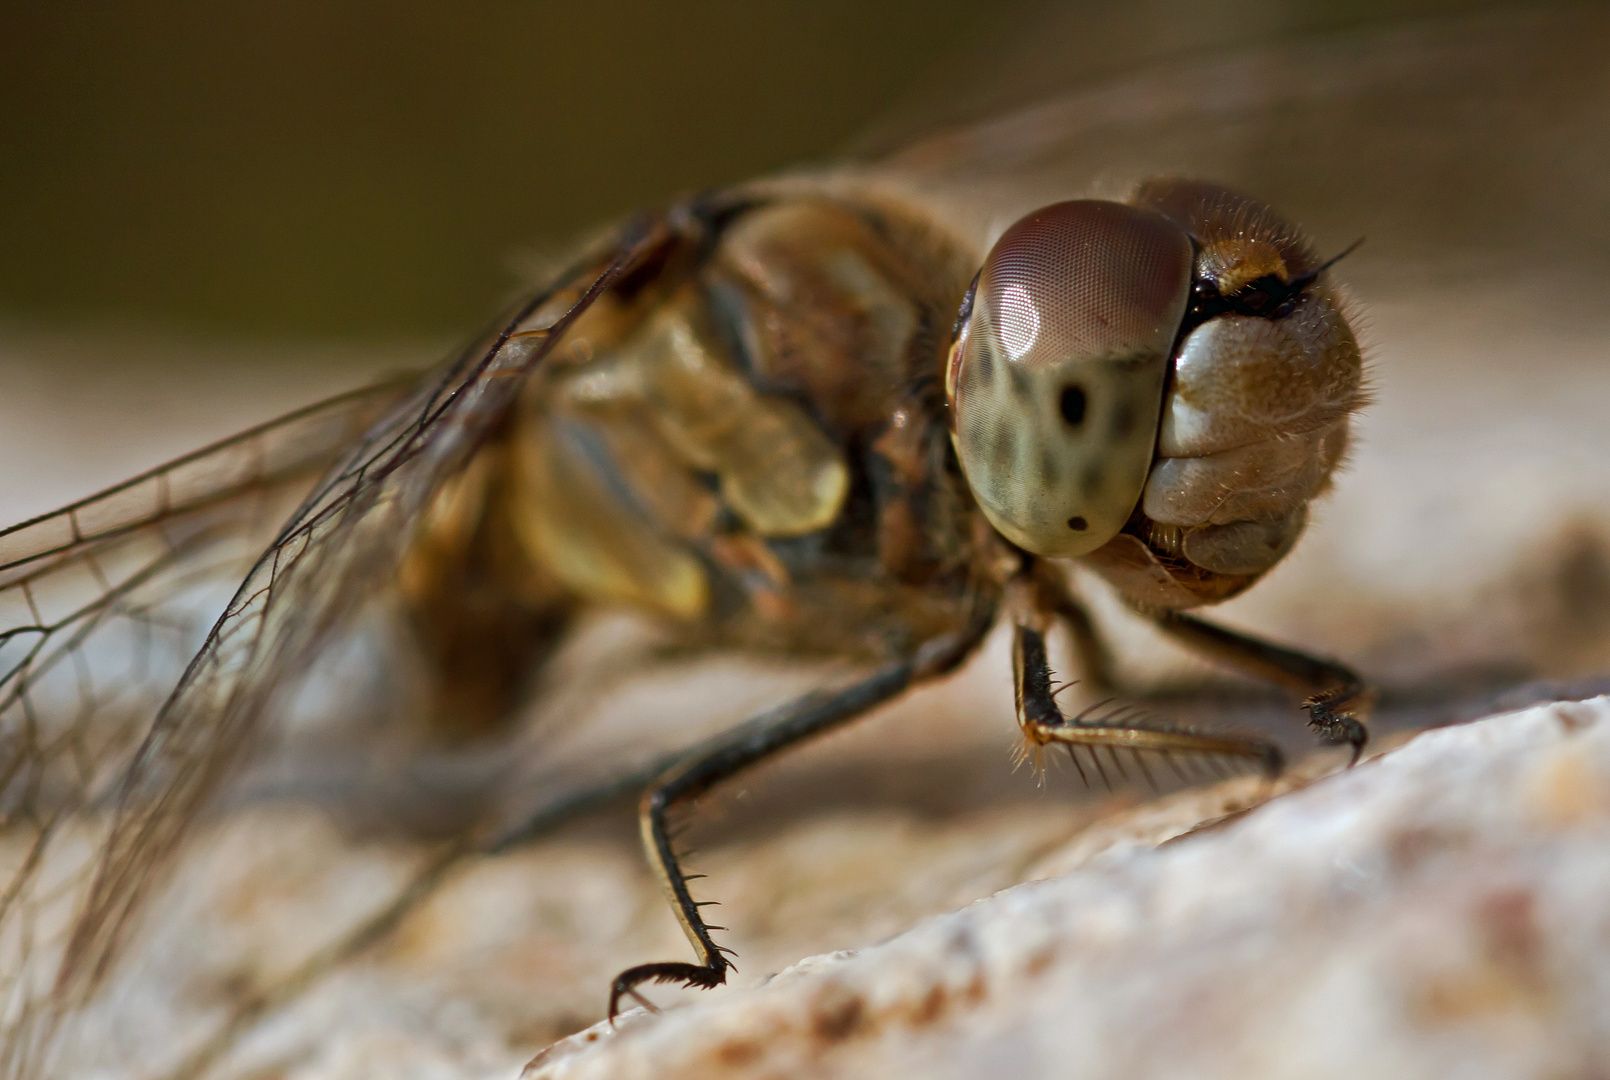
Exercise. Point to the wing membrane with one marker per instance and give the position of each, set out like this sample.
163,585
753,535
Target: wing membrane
140,560
261,458
100,604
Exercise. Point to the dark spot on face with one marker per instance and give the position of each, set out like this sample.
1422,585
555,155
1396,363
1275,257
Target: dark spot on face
1039,961
1123,419
1091,481
1509,922
1078,524
1073,405
1021,388
1050,475
1001,448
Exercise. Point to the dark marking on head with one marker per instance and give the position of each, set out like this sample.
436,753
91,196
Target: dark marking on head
1078,524
1073,404
738,1052
1049,473
1123,418
1092,479
1021,388
1001,448
932,1006
1267,297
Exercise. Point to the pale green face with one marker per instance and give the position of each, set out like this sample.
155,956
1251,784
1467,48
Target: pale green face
1172,376
1057,375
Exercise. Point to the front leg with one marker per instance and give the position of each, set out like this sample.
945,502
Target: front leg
1044,723
1050,595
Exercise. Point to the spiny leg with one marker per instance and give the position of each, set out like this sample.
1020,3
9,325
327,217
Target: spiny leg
1053,596
1334,695
730,753
1043,722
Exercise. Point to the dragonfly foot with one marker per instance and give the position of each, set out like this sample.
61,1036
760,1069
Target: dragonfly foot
1336,726
704,977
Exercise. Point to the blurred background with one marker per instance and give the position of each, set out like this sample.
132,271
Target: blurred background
368,171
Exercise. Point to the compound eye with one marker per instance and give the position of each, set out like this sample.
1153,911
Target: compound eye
1056,377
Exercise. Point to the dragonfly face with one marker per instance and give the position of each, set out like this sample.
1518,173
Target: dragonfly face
1092,324
1056,378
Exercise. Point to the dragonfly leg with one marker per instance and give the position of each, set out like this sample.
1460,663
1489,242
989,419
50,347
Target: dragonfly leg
1053,596
730,753
1116,729
1334,695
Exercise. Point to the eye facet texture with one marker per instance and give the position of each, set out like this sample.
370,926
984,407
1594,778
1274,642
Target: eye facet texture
1056,379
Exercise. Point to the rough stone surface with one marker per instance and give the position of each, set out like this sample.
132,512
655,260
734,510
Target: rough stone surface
1439,910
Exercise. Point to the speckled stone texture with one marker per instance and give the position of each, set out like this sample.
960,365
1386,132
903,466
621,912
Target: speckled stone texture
1438,911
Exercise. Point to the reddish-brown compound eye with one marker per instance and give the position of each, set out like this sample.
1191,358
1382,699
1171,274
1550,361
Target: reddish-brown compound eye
1056,377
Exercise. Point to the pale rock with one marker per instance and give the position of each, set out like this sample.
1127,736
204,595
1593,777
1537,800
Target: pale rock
1440,910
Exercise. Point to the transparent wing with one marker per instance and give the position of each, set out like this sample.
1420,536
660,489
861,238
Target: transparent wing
121,561
101,604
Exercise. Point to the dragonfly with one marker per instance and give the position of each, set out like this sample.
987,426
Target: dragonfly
866,411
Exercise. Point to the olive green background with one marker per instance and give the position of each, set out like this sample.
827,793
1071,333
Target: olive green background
371,170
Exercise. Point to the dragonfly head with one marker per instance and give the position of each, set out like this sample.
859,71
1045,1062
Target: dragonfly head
1056,376
1160,386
